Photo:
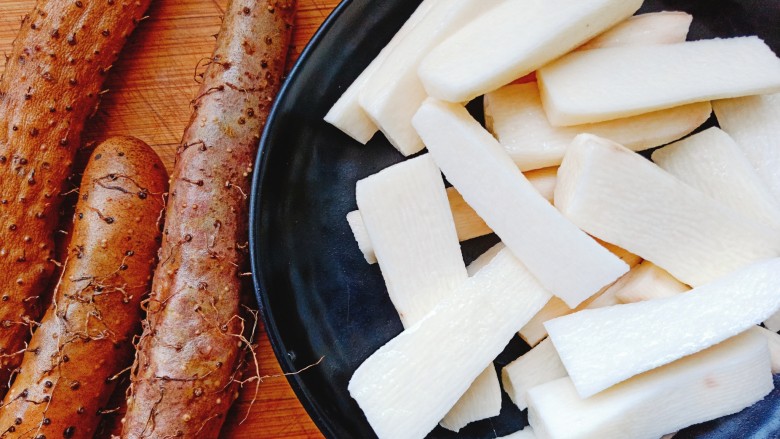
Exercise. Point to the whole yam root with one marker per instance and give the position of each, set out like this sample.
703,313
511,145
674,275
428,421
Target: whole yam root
188,360
85,338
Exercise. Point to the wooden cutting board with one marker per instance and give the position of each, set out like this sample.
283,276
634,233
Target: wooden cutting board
150,88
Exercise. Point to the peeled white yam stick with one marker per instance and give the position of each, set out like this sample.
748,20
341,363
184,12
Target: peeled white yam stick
521,126
358,227
347,114
409,221
664,27
618,196
647,282
773,322
484,259
481,401
408,385
602,347
394,92
719,381
754,122
467,223
713,163
538,366
773,338
526,433
604,84
566,261
514,39
534,331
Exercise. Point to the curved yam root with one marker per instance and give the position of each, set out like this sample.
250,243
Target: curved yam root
51,85
85,340
189,359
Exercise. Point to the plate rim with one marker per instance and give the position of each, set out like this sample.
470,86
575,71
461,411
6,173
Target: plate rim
313,409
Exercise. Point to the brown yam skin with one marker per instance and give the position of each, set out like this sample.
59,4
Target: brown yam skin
188,357
85,338
51,85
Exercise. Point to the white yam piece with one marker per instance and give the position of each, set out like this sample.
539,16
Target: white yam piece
773,338
520,124
773,322
604,84
538,366
347,114
649,281
408,385
484,259
711,162
408,218
664,27
514,39
394,92
358,227
602,347
534,331
481,401
719,381
467,223
566,261
618,196
754,122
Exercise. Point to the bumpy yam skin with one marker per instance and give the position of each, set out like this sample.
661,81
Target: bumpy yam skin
189,355
85,338
51,85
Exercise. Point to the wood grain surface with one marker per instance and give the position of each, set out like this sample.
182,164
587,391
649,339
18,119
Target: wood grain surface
150,89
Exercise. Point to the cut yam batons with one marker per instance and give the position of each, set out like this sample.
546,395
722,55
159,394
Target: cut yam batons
408,218
569,263
620,197
538,366
526,433
514,39
407,215
516,118
467,223
719,381
714,164
602,347
664,27
604,84
754,123
534,331
394,92
347,114
406,399
481,401
773,338
648,282
773,322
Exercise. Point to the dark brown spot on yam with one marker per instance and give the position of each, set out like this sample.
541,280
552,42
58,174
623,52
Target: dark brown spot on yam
79,4
72,39
70,431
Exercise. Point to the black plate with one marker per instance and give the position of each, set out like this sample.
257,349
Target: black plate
319,297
